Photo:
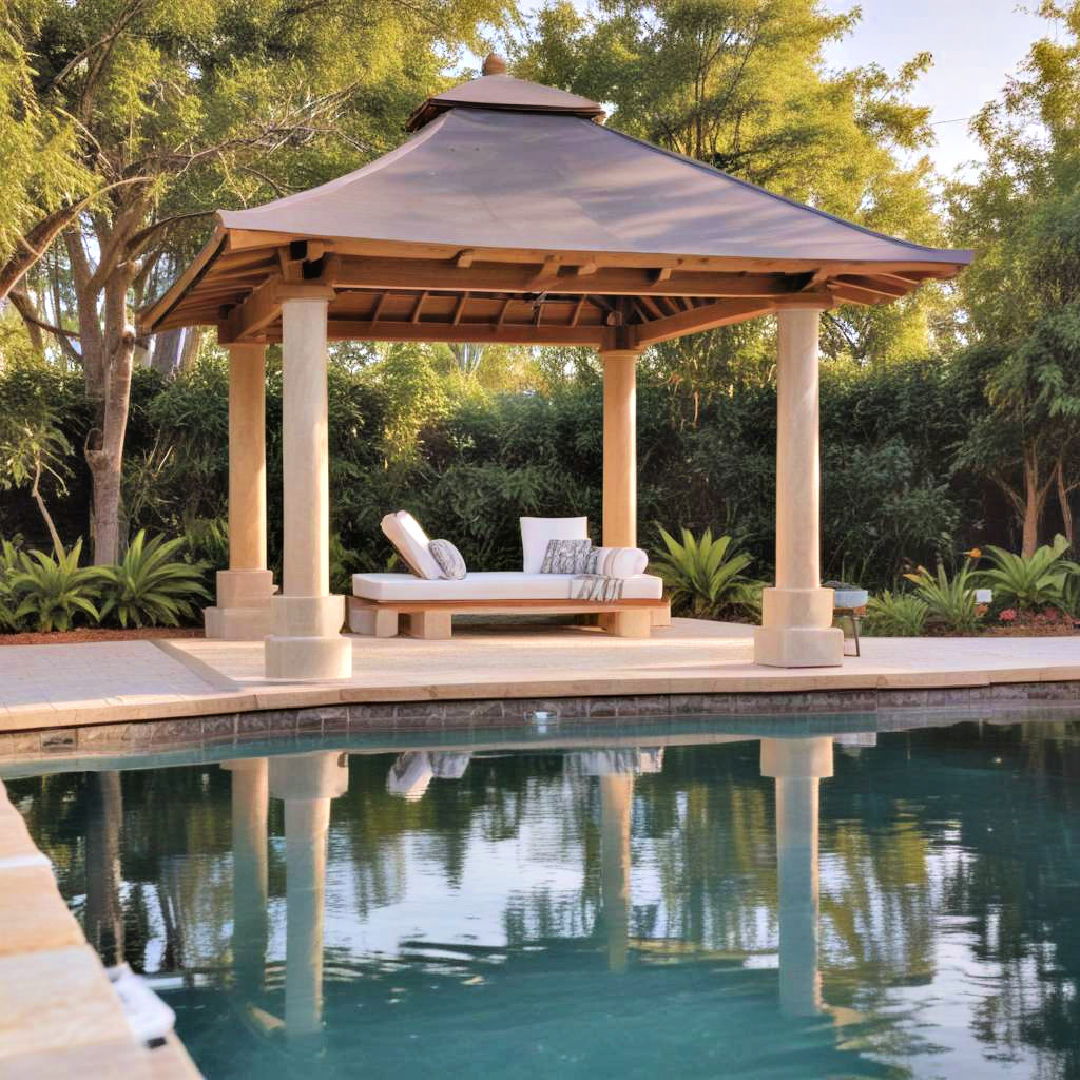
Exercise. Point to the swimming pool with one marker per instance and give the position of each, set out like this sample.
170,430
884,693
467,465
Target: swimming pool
858,905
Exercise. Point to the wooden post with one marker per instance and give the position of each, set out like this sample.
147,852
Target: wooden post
796,628
306,642
620,447
242,612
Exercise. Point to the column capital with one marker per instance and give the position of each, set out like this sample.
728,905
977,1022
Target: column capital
286,294
620,354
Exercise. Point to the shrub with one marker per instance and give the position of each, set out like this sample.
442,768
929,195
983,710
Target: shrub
1027,582
53,591
703,574
896,615
949,601
9,567
150,585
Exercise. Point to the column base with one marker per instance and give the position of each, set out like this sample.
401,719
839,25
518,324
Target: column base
306,641
796,630
237,624
798,647
242,612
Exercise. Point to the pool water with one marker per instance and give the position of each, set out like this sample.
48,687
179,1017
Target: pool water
891,905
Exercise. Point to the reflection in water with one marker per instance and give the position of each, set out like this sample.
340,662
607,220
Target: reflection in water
598,911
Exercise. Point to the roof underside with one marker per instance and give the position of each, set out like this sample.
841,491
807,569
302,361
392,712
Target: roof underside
511,216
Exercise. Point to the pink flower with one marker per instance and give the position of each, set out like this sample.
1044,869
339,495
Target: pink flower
1008,615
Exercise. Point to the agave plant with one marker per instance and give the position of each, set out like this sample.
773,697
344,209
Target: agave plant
896,615
53,591
949,600
150,586
704,574
1028,582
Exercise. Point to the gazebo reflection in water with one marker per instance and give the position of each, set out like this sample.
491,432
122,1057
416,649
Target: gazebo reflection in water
308,783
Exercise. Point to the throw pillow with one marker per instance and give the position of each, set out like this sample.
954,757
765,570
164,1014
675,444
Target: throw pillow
566,557
449,559
617,562
536,532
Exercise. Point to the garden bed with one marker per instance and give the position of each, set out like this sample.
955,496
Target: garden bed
73,637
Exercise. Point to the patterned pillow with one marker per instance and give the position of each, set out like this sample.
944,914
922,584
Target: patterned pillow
449,559
566,557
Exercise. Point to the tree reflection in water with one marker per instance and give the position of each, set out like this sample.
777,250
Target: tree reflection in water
734,904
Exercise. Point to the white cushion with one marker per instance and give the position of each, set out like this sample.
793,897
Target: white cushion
411,542
497,586
536,532
620,562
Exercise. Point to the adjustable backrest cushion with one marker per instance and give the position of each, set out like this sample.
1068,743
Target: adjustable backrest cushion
536,532
411,542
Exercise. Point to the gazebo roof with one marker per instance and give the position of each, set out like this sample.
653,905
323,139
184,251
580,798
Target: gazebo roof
512,215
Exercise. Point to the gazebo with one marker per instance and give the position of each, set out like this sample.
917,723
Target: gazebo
513,215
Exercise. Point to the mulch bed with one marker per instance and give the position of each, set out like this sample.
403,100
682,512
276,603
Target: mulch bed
72,637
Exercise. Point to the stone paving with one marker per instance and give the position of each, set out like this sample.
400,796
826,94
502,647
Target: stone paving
61,686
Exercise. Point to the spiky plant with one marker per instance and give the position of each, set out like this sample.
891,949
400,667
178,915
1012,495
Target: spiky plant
1028,582
896,615
704,574
150,586
53,591
949,600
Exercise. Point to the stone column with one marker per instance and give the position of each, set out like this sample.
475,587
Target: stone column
798,764
306,640
250,803
307,783
796,618
242,612
620,447
616,806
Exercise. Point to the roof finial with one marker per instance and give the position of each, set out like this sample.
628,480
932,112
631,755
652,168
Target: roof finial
494,64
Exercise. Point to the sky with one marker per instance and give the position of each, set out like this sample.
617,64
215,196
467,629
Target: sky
976,45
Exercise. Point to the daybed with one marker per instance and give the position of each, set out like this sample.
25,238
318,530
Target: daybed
428,603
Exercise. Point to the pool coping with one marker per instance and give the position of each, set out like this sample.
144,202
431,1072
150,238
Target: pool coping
59,1014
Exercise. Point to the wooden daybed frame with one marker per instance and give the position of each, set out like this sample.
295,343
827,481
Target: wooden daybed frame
431,619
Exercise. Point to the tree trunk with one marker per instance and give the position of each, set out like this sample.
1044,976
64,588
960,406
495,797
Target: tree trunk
106,457
166,356
1034,498
190,351
1067,525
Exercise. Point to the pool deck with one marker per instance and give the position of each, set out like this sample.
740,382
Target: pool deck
62,686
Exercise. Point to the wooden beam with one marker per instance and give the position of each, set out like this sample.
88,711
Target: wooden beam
707,317
883,286
554,277
481,333
244,239
248,321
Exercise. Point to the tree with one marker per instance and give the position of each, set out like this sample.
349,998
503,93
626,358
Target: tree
742,85
180,108
1022,294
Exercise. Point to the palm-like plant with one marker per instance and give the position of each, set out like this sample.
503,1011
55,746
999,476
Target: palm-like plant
149,585
703,573
9,567
54,590
948,600
1034,581
896,615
